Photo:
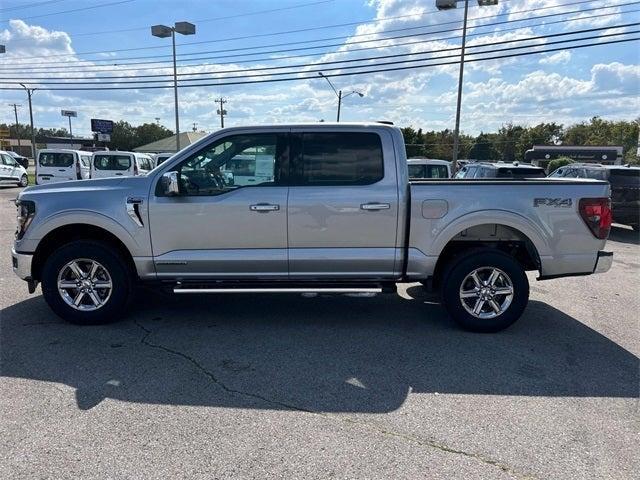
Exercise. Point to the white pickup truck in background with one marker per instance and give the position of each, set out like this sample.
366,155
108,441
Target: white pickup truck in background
333,212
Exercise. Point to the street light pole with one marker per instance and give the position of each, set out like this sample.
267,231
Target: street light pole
339,94
163,31
448,5
33,132
456,132
175,88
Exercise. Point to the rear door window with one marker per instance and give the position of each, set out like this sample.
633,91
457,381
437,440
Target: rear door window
520,172
345,158
55,159
112,162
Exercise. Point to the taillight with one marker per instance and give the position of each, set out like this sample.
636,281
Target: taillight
596,213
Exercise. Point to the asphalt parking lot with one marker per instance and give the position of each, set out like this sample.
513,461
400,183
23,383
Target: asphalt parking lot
290,386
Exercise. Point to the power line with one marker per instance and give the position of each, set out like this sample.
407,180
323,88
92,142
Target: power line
106,68
30,5
297,78
317,40
203,20
245,71
72,11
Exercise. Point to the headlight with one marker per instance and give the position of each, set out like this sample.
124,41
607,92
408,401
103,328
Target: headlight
26,212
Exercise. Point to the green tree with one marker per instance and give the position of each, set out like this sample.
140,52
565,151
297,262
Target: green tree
150,132
557,163
541,134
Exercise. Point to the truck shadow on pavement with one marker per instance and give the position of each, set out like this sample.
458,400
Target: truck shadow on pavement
331,354
624,235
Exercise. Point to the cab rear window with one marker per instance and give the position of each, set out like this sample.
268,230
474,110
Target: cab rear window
55,159
625,176
112,162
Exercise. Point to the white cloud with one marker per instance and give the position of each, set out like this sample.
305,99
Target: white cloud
557,58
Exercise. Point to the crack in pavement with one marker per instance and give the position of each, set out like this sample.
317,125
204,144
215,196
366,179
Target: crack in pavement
403,436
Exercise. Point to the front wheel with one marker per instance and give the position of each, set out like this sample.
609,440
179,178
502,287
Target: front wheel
485,290
24,181
86,283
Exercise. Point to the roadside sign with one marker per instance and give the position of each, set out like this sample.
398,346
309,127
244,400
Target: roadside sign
4,133
101,126
104,137
69,113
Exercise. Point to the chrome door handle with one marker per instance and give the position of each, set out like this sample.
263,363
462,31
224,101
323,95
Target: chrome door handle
264,207
375,206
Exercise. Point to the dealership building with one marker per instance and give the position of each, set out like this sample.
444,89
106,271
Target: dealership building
541,155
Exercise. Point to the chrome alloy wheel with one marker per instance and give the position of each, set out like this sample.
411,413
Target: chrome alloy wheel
84,284
486,292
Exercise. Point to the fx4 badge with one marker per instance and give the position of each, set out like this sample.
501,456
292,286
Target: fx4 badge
552,202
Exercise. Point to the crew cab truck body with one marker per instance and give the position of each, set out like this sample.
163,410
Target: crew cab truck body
336,214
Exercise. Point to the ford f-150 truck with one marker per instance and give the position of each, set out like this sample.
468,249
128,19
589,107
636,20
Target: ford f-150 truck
330,209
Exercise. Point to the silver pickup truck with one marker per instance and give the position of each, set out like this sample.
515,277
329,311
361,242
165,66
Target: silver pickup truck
306,208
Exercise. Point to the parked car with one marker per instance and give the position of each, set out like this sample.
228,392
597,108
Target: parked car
162,157
625,187
22,160
500,170
428,168
337,214
120,164
61,165
11,172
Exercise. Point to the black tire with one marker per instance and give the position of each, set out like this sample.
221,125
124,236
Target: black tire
120,275
457,272
24,181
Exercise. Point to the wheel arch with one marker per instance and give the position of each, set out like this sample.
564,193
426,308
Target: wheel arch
65,234
506,233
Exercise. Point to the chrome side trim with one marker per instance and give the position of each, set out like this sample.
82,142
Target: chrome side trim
133,209
278,290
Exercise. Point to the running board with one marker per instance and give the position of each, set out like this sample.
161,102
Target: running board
279,290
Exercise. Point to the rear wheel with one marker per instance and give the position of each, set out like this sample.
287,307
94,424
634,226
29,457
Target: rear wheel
485,290
86,283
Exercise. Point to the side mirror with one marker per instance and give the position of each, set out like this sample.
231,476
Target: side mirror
169,184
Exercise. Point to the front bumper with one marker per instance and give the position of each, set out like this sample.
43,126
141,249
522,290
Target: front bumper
604,261
21,264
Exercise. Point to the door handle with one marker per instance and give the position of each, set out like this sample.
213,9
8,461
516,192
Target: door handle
375,206
264,207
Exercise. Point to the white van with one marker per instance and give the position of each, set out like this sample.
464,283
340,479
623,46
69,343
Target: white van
61,165
116,164
11,172
428,168
162,157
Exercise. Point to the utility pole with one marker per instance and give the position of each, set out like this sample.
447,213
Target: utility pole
221,111
33,132
15,111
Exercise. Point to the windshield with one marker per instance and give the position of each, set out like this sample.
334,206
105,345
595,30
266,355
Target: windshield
112,162
55,159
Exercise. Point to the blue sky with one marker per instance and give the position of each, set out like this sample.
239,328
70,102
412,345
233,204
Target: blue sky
564,86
